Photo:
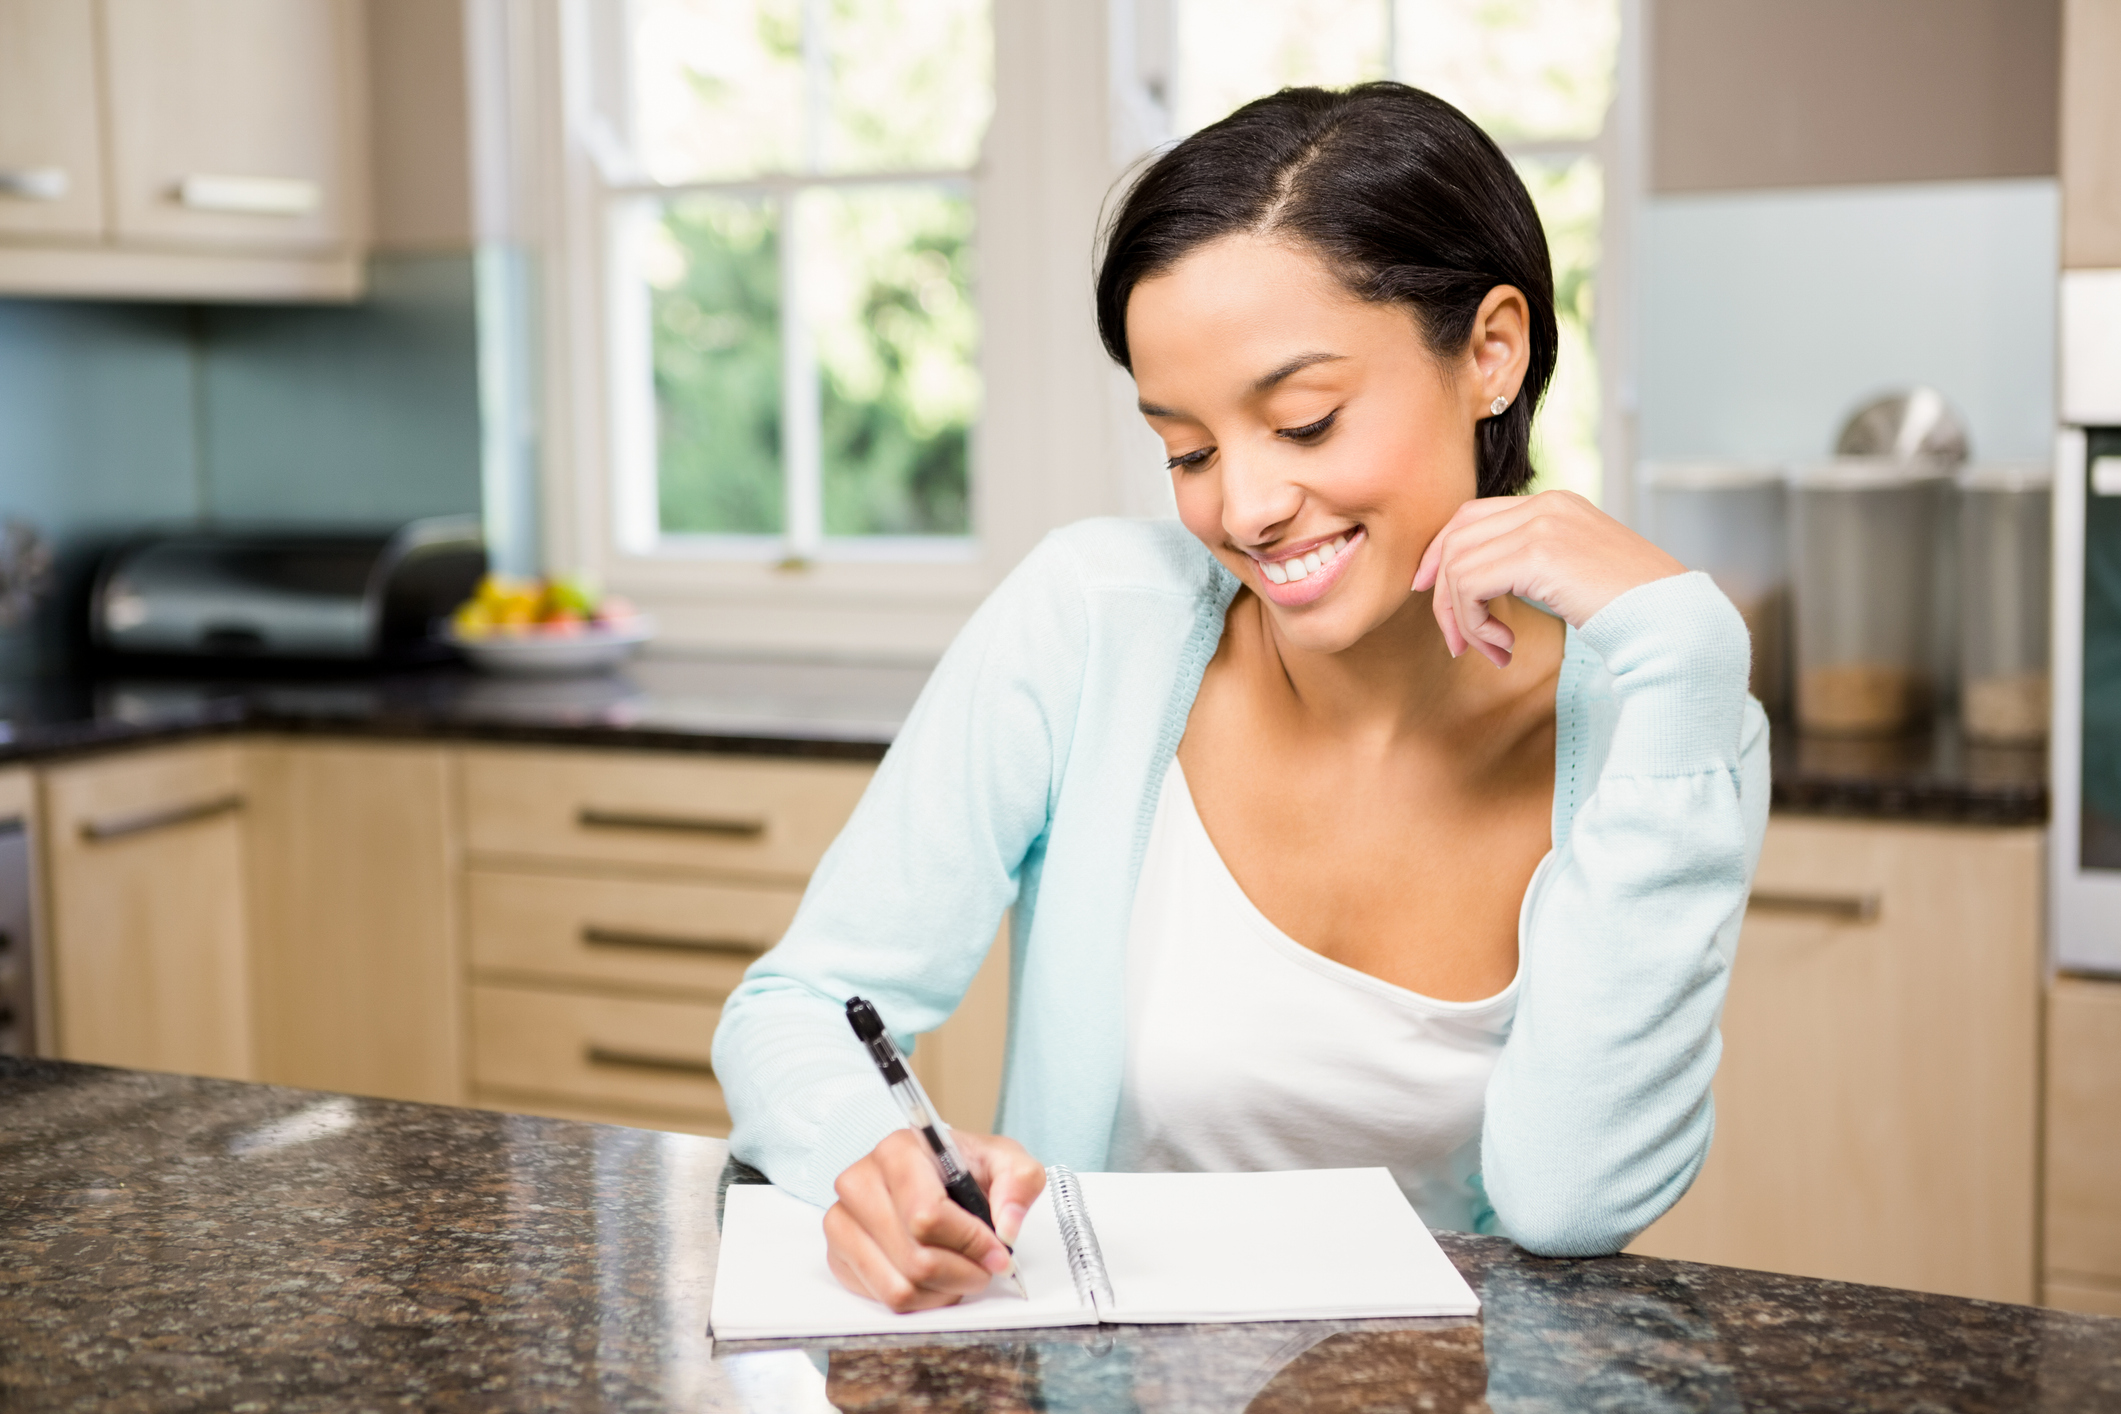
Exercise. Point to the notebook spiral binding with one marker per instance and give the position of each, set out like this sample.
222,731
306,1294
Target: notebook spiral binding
1086,1260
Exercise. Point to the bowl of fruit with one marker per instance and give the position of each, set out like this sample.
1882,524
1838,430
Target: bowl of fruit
545,627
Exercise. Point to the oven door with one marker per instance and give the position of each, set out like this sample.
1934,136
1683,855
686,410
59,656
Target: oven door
2086,753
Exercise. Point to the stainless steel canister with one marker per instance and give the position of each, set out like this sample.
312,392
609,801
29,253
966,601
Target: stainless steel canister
1727,518
1863,545
2003,601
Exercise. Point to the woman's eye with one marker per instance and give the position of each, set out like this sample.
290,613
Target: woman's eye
1185,461
1309,432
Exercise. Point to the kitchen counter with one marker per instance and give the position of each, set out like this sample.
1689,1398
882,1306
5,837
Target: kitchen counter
848,711
1934,775
175,1244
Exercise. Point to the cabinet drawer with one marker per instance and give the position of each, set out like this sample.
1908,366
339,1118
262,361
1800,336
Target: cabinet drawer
660,933
2083,1233
649,1055
728,814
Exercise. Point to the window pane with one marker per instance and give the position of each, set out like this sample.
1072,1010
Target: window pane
912,83
888,293
717,87
1233,51
1570,195
712,269
732,88
1519,68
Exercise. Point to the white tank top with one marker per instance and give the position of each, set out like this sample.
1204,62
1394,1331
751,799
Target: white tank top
1248,1051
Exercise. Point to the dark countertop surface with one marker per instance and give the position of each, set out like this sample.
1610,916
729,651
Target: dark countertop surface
847,711
169,1243
684,704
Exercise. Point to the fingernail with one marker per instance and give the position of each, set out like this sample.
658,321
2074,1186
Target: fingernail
1010,1221
996,1260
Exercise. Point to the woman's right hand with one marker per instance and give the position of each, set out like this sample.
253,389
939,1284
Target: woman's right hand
895,1236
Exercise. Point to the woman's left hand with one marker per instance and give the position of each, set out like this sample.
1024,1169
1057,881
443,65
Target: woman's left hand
1555,547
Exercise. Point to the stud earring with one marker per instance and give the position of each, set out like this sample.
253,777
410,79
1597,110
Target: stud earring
1498,405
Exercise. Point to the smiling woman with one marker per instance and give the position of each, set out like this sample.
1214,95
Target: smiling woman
1298,881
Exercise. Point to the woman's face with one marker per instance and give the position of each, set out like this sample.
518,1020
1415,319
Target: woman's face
1315,445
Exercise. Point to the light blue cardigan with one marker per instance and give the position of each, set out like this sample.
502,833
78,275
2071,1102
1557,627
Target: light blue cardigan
1028,773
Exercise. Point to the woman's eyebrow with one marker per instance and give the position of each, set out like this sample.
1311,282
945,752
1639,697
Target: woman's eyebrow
1295,365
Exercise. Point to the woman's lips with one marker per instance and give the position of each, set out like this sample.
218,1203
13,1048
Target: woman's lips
1331,558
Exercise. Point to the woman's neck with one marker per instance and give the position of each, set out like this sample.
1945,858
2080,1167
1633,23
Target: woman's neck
1400,681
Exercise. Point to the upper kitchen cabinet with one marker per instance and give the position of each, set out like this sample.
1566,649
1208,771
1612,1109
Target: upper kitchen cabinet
2091,135
234,142
51,164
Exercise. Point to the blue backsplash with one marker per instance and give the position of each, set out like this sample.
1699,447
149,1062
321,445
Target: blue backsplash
1768,316
119,416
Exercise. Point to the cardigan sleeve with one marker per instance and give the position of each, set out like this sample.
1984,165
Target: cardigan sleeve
904,905
1599,1112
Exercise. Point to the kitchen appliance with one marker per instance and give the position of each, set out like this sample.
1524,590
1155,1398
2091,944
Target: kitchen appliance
329,595
2084,752
1863,535
18,981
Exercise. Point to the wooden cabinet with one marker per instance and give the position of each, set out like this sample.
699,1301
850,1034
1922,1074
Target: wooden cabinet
2083,1228
51,162
358,978
550,932
149,931
1878,1097
183,148
613,900
2091,134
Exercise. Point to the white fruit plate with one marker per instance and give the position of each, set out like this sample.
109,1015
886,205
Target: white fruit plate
543,653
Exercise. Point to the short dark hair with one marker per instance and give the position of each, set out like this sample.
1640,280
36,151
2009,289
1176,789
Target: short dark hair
1402,195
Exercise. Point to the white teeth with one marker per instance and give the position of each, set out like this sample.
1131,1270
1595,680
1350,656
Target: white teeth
1325,553
1312,563
1340,544
1275,573
1297,568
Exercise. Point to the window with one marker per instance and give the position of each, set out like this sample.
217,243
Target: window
795,333
1538,75
808,281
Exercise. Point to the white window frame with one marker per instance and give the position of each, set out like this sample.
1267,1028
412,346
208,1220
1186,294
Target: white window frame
1079,97
1048,447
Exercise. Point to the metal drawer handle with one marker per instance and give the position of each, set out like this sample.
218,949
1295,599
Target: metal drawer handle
664,942
119,827
251,196
1846,908
726,826
34,183
643,1060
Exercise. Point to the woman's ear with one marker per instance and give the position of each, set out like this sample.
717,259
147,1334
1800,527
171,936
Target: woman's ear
1501,347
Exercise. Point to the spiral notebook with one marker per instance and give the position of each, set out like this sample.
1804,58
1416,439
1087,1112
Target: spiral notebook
1307,1245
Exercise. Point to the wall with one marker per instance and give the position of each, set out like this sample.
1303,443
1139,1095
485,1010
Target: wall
1767,316
115,417
1847,196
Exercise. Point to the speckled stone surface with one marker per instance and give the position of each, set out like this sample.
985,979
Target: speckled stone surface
178,1244
748,706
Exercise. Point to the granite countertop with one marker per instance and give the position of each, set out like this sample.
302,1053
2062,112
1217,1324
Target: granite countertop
177,1244
848,711
776,707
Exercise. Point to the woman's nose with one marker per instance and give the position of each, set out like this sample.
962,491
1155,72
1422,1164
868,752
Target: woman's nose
1257,500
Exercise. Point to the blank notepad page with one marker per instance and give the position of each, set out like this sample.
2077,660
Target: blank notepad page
1306,1245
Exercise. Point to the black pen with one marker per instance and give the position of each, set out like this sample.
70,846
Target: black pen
958,1182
